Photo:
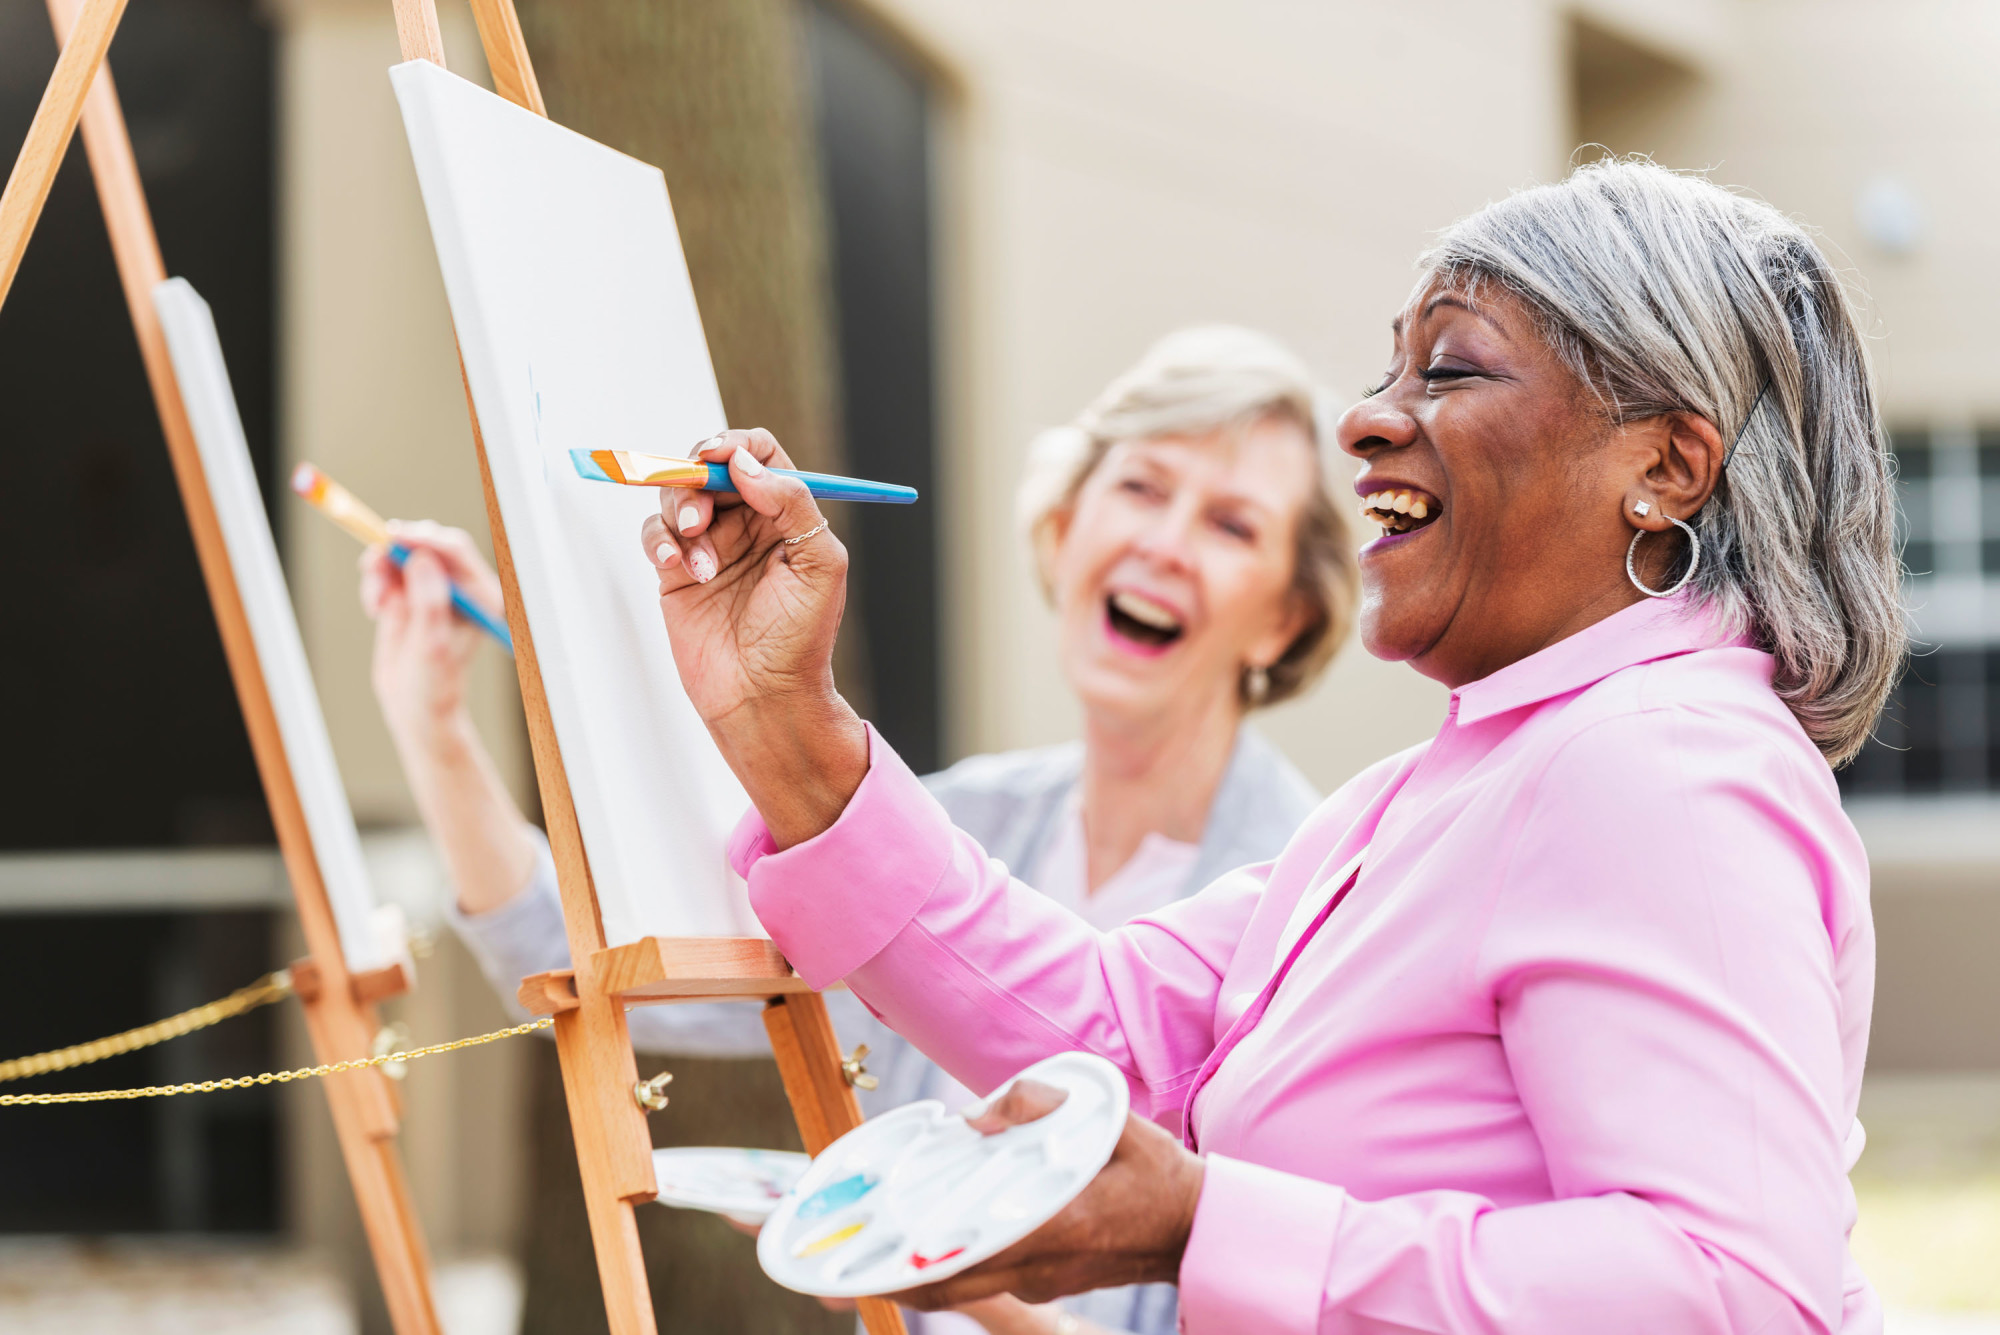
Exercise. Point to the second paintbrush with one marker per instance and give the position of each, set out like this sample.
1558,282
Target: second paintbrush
660,470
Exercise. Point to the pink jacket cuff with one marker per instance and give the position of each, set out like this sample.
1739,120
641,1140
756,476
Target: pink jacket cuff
1258,1256
893,840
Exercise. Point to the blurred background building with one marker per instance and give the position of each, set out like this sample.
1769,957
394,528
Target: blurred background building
988,210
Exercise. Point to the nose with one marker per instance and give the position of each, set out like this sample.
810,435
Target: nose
1375,423
1167,540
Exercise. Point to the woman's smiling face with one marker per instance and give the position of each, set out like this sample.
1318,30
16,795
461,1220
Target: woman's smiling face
1174,565
1485,460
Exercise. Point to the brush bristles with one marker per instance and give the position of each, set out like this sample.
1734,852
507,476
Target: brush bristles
310,483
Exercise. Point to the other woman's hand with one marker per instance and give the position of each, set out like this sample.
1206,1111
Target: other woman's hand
753,618
1129,1226
422,647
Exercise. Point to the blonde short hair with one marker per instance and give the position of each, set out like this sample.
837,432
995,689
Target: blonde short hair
1197,382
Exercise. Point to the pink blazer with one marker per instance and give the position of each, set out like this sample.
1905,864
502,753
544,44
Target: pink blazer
1577,1050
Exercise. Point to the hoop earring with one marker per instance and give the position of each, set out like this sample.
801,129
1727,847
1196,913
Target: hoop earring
1694,561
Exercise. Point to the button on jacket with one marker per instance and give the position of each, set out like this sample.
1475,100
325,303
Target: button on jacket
1578,1048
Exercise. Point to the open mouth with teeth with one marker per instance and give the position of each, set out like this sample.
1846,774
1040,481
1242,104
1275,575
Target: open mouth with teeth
1401,509
1138,619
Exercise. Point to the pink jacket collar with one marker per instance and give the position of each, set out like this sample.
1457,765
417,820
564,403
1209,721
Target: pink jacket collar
1642,633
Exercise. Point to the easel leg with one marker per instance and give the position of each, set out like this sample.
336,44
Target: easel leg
610,1129
808,1056
364,1105
364,1120
402,1262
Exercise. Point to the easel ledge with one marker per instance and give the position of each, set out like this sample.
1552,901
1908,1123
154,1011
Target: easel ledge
661,969
614,1146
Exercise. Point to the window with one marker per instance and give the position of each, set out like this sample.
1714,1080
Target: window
1941,729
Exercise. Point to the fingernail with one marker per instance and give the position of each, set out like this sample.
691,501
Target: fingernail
747,462
667,554
701,565
690,516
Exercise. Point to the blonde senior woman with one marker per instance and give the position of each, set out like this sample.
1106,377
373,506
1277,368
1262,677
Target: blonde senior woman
1184,534
1554,1024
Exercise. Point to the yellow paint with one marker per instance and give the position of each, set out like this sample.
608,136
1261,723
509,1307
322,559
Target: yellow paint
831,1240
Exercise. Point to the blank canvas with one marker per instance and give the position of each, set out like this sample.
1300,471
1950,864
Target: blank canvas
578,329
253,558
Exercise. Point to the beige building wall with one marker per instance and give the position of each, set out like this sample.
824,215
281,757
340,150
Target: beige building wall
1118,169
369,378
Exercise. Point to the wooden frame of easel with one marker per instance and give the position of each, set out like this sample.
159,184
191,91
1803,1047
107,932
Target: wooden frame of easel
339,1005
588,1001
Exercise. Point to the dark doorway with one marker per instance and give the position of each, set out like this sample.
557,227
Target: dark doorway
873,109
204,1163
121,728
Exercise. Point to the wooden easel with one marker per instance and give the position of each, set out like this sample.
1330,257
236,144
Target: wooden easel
339,1005
600,1077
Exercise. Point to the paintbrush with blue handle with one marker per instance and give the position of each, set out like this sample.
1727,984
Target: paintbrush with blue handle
659,470
344,508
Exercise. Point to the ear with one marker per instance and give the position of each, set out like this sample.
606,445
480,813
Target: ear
1059,521
1677,464
1047,539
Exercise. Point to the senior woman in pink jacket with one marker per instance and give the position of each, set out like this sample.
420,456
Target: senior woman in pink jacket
1554,1024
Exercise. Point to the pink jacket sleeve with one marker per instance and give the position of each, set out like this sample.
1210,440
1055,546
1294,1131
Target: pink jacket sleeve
1662,962
1031,979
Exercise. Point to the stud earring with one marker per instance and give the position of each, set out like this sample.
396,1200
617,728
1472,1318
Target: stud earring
1256,684
1642,508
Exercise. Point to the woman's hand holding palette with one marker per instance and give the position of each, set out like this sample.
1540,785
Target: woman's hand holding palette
917,1195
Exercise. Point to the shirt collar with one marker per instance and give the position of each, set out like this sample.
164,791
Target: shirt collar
1653,629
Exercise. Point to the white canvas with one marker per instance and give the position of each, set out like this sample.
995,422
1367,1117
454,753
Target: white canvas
578,328
253,556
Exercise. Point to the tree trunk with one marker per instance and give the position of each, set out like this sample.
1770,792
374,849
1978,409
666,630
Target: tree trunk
711,92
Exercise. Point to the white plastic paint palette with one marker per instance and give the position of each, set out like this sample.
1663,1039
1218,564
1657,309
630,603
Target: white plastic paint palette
917,1195
745,1185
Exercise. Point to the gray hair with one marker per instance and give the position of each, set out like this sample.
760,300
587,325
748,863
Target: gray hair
1193,383
1666,293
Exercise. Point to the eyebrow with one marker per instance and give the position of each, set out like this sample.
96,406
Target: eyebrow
1227,496
1447,299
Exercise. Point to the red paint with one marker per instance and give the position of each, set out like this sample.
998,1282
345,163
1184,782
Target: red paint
925,1262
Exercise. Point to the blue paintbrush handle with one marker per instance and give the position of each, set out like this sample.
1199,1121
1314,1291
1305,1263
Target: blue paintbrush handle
825,486
466,608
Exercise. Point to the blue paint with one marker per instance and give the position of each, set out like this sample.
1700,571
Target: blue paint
587,467
837,1195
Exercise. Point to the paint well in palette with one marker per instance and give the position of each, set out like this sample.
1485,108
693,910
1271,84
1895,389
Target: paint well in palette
831,1240
837,1195
916,1195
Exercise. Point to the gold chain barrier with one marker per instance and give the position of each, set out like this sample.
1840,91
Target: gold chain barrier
271,987
268,1077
